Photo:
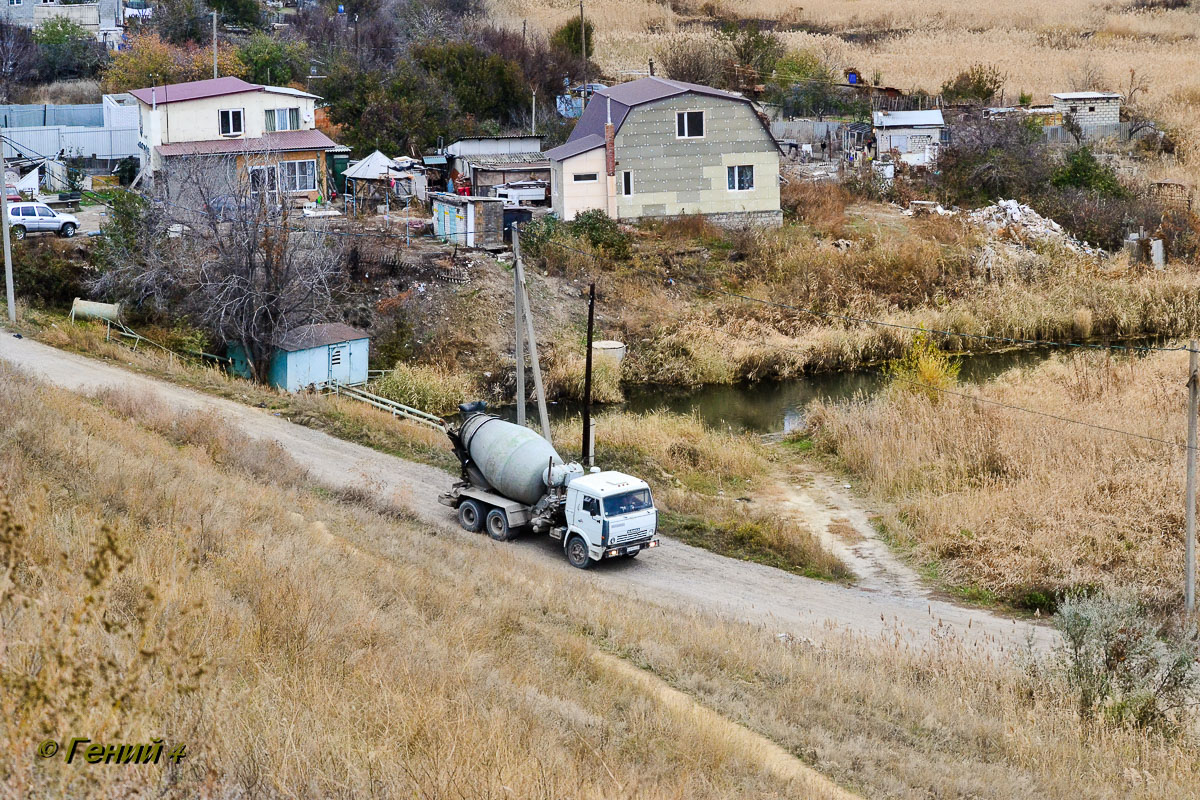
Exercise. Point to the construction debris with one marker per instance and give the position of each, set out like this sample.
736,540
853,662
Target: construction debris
1019,223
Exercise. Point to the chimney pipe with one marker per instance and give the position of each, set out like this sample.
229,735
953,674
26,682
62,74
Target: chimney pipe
610,152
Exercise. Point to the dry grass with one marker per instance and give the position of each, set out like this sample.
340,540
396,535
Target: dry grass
921,43
303,646
430,388
567,369
935,274
1025,507
707,483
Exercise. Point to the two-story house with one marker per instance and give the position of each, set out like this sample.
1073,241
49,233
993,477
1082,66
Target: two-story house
265,134
657,148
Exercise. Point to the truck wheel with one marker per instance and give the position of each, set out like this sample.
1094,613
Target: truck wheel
577,553
470,516
497,525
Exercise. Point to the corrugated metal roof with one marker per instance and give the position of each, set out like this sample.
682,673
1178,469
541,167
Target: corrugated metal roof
574,148
1086,96
908,119
289,90
281,141
319,335
501,160
195,90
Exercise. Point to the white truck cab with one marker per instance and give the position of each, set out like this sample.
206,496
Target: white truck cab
608,514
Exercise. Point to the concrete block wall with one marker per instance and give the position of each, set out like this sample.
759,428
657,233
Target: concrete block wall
672,176
1107,112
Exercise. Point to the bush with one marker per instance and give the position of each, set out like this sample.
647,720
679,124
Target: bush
1081,170
1122,666
566,38
432,389
46,276
694,57
978,84
602,232
924,369
566,373
993,159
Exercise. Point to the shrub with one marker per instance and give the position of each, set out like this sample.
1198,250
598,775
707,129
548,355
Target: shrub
924,369
602,232
1081,170
566,373
47,276
433,389
993,159
977,84
694,57
1124,667
566,38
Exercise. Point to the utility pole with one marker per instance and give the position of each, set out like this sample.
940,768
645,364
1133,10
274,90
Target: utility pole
524,23
588,456
518,325
533,114
583,52
1189,551
357,58
523,301
8,272
214,44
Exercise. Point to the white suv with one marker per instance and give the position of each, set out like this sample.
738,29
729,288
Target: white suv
34,217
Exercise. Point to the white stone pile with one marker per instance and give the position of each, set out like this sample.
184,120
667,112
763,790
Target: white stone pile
1019,222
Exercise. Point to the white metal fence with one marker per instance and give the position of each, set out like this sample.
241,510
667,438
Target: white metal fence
110,144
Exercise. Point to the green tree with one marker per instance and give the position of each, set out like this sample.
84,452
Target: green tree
398,111
484,84
271,61
1081,170
566,38
68,50
244,13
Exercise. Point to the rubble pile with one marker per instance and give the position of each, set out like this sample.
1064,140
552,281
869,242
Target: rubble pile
1015,221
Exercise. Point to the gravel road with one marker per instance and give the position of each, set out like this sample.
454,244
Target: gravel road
674,574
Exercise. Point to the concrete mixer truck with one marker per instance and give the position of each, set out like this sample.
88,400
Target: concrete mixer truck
513,480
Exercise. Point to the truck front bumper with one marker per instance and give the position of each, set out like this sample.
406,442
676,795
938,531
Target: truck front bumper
630,549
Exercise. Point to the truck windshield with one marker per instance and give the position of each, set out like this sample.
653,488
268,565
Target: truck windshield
627,502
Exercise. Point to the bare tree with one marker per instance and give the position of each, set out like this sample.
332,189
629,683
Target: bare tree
1086,77
695,58
19,59
230,254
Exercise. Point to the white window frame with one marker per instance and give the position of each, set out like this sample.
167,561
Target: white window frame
687,128
585,177
627,183
241,131
286,177
15,2
286,115
733,170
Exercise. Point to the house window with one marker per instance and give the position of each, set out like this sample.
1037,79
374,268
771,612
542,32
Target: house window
1091,109
299,176
740,178
231,122
282,119
14,2
627,183
689,124
584,177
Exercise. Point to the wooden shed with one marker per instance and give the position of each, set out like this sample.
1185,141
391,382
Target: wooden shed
313,355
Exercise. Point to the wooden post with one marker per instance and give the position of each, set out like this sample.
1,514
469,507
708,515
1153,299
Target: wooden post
519,325
1189,567
519,268
10,291
586,450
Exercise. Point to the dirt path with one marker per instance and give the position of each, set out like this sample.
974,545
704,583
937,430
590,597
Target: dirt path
675,574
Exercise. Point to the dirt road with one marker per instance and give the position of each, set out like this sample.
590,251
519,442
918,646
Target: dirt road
674,574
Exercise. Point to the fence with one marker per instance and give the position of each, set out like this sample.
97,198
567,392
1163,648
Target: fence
106,144
36,116
1058,134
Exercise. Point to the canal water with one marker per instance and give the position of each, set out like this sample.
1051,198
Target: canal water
773,406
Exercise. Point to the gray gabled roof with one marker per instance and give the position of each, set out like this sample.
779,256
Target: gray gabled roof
575,147
319,335
616,101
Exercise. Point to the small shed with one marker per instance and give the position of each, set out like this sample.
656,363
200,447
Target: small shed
914,135
313,355
1089,108
468,220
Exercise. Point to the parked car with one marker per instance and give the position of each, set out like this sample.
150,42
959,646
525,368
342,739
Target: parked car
39,217
13,195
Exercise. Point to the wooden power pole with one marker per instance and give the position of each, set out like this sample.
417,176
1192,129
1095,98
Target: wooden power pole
518,325
588,456
1189,550
522,306
10,291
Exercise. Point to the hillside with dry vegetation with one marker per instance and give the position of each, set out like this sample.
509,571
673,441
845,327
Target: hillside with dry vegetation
164,578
